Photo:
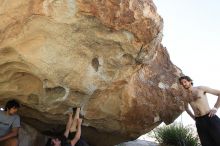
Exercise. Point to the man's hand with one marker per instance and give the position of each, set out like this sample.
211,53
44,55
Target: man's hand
212,112
13,133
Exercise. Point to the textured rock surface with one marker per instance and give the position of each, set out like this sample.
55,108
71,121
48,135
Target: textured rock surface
103,55
28,136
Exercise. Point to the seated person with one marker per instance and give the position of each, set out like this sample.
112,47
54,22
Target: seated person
9,124
71,136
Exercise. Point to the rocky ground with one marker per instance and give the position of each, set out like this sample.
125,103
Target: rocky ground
139,143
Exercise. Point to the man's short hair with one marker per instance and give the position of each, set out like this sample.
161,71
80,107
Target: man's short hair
186,78
12,103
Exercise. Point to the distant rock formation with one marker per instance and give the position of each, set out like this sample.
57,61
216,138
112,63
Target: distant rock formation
102,55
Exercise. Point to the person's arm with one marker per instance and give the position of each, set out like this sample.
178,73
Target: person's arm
78,132
14,130
74,123
213,111
68,125
189,112
13,133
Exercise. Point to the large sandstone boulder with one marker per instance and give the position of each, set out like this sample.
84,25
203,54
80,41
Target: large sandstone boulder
104,56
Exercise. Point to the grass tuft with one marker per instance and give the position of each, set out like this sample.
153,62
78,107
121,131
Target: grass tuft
176,135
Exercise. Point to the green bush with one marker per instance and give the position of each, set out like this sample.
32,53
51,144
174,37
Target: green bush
175,135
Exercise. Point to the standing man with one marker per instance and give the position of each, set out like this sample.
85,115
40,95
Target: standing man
9,124
207,123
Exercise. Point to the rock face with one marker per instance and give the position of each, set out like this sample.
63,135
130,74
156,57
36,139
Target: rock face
28,136
102,55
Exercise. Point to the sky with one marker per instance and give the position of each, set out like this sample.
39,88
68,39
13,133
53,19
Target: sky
191,36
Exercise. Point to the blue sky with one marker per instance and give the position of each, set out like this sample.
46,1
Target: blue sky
192,38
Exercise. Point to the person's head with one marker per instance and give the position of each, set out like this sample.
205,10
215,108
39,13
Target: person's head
12,106
186,82
53,142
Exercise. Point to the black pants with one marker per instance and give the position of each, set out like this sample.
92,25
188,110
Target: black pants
208,129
